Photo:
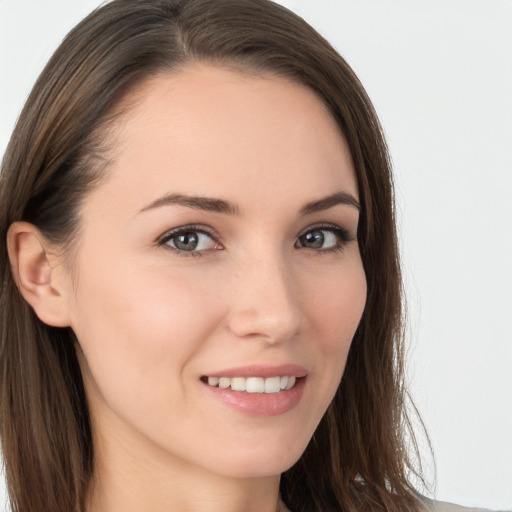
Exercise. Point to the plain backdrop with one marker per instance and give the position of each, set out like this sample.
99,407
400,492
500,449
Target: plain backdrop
440,75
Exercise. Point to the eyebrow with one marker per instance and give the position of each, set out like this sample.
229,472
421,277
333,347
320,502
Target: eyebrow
208,204
211,204
329,201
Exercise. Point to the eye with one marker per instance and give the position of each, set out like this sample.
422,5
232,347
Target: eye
189,240
324,238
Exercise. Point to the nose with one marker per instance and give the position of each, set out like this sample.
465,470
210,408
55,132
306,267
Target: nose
265,301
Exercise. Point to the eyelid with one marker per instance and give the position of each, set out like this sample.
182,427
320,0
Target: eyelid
197,228
343,234
328,226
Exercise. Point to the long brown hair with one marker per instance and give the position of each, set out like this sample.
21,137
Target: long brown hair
358,458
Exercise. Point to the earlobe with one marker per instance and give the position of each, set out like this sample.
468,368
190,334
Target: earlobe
34,270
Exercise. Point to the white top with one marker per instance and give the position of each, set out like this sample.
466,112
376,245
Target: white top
442,506
430,506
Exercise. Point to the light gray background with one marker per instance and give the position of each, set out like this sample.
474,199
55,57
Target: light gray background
440,76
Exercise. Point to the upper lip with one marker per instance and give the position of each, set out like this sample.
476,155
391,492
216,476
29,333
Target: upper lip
263,371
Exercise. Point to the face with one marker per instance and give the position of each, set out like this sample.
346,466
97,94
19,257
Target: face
218,282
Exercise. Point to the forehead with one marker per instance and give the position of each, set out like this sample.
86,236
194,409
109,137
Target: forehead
214,131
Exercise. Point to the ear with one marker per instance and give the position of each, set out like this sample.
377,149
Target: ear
38,273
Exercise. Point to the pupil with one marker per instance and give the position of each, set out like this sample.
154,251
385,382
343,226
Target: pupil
314,239
187,241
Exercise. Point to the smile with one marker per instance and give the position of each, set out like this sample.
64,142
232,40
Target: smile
253,384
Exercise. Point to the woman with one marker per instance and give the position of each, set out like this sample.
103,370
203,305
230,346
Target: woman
200,281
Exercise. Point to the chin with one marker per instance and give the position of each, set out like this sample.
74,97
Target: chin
260,460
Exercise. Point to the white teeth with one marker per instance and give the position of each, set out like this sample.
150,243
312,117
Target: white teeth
254,384
224,382
213,381
238,384
291,382
273,385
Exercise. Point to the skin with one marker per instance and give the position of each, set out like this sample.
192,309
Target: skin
151,320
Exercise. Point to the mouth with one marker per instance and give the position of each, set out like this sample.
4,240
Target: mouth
269,385
258,390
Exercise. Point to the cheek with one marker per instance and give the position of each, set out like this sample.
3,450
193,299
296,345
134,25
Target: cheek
142,304
138,330
334,316
337,310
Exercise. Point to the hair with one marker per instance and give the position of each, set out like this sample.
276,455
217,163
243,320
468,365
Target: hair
360,457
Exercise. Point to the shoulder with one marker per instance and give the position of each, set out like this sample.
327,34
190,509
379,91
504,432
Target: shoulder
442,506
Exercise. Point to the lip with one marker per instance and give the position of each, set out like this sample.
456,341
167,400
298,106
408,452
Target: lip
260,404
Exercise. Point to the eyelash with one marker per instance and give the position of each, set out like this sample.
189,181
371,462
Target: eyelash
342,235
343,238
174,233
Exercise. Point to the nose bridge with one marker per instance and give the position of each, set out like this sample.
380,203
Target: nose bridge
265,301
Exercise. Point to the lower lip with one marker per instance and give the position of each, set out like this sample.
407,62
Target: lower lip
261,404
